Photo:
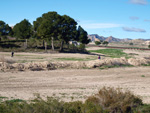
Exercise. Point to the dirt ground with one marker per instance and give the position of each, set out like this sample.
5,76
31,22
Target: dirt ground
72,84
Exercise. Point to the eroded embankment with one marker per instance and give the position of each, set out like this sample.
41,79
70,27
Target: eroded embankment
37,66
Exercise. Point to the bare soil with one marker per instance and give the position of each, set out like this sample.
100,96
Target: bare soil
74,84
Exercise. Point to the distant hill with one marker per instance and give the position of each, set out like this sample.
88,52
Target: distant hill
95,37
112,39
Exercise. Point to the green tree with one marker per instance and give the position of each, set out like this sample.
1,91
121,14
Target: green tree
82,36
47,26
67,30
23,30
105,43
5,30
97,42
149,46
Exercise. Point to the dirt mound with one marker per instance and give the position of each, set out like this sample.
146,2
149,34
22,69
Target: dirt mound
37,66
108,62
138,61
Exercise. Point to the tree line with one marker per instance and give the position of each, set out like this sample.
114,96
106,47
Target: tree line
50,26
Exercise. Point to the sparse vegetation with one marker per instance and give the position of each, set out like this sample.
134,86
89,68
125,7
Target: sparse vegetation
142,75
115,66
108,100
76,59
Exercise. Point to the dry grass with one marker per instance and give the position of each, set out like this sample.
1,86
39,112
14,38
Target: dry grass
115,100
9,61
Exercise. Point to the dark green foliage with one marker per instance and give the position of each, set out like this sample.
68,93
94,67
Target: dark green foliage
47,26
105,43
23,30
5,30
67,30
148,46
97,42
131,43
51,29
82,36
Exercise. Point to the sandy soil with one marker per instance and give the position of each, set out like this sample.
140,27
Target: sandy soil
74,84
138,53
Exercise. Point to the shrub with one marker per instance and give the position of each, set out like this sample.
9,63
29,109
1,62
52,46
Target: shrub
108,100
81,47
148,46
131,43
115,100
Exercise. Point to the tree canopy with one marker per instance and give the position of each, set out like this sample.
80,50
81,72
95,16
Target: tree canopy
52,26
67,30
23,30
47,26
82,36
5,29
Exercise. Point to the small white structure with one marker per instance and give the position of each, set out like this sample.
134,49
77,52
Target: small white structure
74,42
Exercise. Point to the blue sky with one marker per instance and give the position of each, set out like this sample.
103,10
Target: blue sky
118,18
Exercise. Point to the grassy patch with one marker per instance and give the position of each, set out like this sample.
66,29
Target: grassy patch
75,59
113,53
15,100
145,64
142,75
3,97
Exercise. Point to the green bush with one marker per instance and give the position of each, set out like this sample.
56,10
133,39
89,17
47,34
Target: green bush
108,100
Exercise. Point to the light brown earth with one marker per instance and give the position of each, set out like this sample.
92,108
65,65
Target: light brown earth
72,84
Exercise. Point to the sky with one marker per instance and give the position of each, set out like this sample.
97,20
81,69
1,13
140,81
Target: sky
117,18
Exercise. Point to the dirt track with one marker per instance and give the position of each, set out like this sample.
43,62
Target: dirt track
75,83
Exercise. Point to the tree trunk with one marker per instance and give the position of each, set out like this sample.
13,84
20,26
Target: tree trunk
68,46
26,44
61,46
52,43
43,43
45,46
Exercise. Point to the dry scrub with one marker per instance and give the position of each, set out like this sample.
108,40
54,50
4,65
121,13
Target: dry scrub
6,65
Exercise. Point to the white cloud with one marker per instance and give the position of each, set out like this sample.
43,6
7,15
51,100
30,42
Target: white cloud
133,29
99,25
141,2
